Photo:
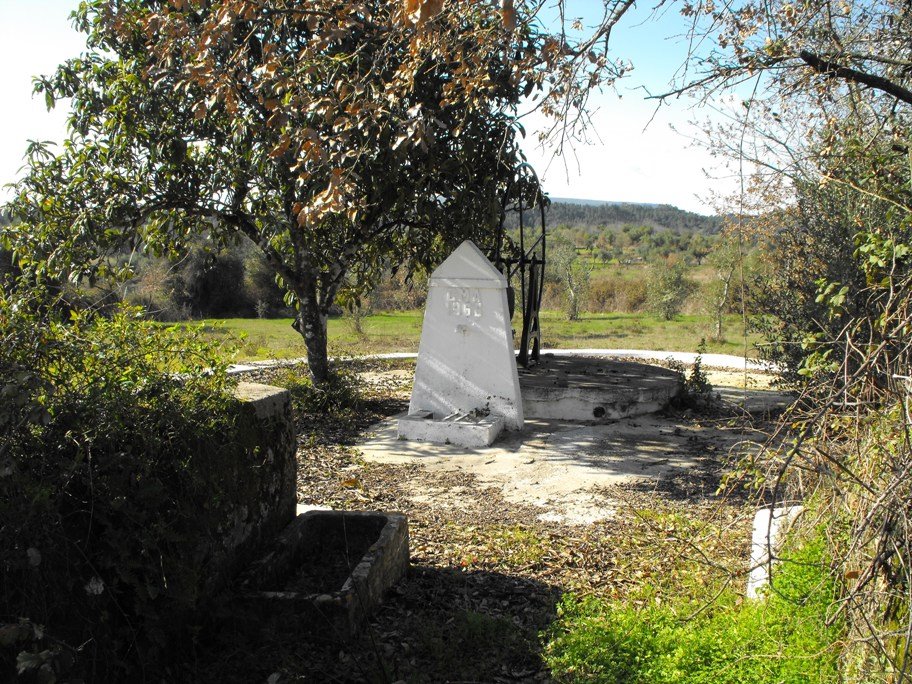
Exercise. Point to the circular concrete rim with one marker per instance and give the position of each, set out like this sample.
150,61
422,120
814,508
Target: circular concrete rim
722,361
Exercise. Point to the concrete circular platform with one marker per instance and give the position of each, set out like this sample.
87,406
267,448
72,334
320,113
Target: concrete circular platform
596,389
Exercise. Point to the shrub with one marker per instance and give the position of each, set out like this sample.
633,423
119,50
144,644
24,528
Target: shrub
396,291
785,638
205,283
552,296
108,431
696,390
153,290
212,284
617,294
337,397
260,287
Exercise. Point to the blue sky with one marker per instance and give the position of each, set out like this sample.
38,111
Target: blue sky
639,153
627,160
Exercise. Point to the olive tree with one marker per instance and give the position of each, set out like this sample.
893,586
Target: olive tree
667,288
573,276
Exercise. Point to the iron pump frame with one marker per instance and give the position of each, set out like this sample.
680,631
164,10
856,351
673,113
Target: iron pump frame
528,262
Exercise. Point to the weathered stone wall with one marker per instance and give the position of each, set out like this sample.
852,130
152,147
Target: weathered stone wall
256,482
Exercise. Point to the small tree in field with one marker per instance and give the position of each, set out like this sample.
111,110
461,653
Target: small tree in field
725,259
573,275
667,290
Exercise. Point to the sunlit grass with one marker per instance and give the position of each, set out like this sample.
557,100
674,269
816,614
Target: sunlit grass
400,331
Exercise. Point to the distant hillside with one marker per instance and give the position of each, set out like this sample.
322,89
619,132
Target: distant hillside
596,203
590,214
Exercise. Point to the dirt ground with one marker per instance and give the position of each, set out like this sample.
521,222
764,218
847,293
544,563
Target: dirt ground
563,469
497,538
720,377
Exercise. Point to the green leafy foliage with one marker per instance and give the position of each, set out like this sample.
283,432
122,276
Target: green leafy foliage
835,263
108,427
339,395
783,638
334,137
667,289
833,213
571,274
696,390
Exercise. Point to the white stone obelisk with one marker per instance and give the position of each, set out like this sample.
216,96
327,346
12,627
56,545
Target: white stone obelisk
466,364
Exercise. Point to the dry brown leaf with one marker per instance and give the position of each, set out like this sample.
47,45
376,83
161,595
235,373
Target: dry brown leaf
508,14
281,148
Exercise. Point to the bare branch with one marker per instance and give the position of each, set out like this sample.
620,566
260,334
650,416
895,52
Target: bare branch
832,69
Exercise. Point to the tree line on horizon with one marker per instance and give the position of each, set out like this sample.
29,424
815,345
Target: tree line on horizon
592,215
235,281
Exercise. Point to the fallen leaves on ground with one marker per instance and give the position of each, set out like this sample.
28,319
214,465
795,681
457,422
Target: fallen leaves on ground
486,574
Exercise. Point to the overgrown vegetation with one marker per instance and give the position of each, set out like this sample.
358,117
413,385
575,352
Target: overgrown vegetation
595,270
337,398
655,638
110,433
831,202
166,142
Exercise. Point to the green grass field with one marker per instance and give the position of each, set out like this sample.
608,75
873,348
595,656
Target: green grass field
258,339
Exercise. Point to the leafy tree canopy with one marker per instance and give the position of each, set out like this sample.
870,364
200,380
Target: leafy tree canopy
337,136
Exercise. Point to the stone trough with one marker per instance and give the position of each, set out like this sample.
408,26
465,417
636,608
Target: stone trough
328,571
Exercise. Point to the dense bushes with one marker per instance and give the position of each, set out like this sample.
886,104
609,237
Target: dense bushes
835,297
807,245
616,293
212,286
852,443
108,428
667,289
233,282
237,282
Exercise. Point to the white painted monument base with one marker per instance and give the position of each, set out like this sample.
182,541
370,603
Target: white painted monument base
459,428
770,528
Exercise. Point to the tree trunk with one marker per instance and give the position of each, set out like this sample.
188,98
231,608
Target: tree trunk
311,323
723,300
